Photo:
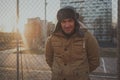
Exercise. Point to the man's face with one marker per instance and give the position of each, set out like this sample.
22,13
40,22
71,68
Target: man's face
68,25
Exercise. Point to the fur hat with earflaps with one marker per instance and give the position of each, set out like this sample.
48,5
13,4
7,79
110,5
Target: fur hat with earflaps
66,12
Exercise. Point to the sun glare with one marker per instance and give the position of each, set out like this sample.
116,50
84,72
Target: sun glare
20,26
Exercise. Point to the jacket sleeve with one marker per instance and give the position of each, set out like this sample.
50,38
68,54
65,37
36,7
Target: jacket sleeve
92,52
49,53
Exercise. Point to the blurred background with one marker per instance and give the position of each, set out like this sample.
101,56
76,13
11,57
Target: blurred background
26,24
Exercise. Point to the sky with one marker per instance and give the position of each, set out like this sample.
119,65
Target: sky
36,8
114,10
31,9
27,9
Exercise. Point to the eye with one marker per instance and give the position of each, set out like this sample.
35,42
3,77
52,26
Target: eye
63,21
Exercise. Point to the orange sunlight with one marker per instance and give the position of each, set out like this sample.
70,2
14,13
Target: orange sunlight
21,28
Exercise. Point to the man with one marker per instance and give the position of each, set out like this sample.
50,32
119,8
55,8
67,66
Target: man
71,51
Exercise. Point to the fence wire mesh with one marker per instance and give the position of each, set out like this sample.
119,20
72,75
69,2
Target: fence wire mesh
37,20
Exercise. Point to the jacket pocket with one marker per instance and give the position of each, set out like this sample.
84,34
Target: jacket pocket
77,49
56,47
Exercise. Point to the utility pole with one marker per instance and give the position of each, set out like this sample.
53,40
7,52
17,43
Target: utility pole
17,39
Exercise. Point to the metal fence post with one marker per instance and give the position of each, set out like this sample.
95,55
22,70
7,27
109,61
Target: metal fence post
118,36
17,55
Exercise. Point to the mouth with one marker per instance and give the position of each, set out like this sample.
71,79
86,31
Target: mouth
67,29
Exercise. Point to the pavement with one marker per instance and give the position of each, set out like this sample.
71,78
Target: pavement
34,67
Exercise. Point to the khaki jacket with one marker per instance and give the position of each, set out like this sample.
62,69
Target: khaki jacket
73,58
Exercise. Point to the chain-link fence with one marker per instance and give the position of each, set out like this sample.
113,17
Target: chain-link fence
25,25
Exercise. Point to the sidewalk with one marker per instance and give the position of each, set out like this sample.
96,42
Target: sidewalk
33,66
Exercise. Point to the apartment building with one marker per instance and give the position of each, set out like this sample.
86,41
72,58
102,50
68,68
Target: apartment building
97,16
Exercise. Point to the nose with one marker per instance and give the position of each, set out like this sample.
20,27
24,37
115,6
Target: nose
67,24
